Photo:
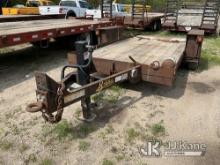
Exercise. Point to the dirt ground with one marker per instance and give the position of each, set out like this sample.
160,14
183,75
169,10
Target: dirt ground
189,111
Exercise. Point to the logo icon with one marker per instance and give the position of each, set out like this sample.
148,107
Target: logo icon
152,148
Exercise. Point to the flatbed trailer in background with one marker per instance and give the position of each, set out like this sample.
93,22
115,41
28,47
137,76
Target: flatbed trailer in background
150,21
14,33
139,17
15,18
182,17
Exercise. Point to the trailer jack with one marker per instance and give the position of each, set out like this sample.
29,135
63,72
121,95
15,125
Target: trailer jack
53,96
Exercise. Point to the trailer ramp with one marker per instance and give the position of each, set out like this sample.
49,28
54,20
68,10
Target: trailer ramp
210,15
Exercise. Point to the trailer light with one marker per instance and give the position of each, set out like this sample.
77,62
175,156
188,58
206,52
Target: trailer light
17,39
134,73
34,36
188,28
50,34
155,65
199,39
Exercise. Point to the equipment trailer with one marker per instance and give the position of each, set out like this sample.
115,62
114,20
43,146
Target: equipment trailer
139,17
142,58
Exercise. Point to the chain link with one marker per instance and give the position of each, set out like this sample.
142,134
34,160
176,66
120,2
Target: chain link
49,117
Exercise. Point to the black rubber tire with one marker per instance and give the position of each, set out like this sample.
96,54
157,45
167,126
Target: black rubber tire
70,14
192,66
159,25
90,37
156,25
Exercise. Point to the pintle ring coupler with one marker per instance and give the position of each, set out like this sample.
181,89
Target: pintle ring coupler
34,107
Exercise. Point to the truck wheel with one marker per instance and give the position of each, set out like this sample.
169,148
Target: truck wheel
192,65
70,15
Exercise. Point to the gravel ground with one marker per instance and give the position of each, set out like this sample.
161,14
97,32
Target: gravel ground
189,111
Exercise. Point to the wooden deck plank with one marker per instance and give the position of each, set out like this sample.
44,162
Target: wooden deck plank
9,28
143,49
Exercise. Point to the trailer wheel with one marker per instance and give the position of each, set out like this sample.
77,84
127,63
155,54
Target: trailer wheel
90,37
192,65
217,32
159,25
156,25
41,44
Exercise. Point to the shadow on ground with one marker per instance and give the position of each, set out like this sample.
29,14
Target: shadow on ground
18,66
109,111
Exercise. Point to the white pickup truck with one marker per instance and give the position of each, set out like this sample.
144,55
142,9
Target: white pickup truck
74,8
49,10
117,10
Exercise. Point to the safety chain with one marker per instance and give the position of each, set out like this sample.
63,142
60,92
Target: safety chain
49,117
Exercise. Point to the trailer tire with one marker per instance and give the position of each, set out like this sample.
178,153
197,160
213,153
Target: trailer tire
70,14
159,24
156,25
192,65
90,37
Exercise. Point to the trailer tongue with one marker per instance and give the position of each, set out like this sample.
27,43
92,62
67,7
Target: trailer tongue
141,58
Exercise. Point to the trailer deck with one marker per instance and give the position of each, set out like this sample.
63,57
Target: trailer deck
159,57
139,21
14,18
13,33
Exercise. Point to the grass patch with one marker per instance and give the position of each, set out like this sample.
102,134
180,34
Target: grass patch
210,55
46,161
83,130
110,95
132,134
23,147
158,129
164,34
63,129
6,145
31,159
78,113
119,157
83,145
107,162
108,130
